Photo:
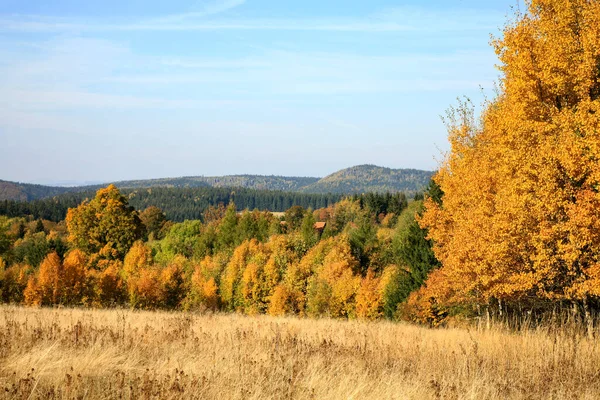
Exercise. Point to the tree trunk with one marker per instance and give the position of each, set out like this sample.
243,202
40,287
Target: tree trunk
588,318
500,308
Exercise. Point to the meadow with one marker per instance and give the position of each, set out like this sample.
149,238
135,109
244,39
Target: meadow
66,353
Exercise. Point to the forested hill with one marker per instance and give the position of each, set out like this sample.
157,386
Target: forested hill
358,179
371,178
258,182
26,192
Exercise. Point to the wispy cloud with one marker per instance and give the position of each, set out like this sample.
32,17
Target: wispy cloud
195,63
399,19
78,73
203,10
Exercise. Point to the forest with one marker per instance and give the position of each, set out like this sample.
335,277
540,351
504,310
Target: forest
341,260
179,203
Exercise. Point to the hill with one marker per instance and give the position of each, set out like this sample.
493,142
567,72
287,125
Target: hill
259,182
27,192
371,178
358,179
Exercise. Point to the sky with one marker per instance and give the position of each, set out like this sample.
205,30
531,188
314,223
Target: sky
100,91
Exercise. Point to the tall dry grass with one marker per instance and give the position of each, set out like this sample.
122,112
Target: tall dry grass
108,354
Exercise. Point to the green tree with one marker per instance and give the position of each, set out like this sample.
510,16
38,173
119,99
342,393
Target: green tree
4,237
414,251
309,234
363,242
32,249
227,232
39,226
293,217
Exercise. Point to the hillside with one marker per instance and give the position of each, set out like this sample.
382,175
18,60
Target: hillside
358,179
259,182
26,192
371,178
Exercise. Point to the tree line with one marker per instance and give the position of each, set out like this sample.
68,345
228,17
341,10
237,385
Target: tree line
179,204
352,265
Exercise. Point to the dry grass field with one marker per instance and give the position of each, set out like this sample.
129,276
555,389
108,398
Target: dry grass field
115,354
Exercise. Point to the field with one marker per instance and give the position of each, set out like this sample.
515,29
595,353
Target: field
106,354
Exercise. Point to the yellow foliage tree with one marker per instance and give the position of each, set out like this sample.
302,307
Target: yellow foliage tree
14,281
203,291
369,299
521,205
297,275
137,258
254,289
106,225
333,285
231,293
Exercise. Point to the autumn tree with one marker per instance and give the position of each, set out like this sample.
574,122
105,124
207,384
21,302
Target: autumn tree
154,221
298,275
13,281
237,286
106,225
108,285
519,219
203,292
138,258
369,299
214,213
46,287
74,278
333,286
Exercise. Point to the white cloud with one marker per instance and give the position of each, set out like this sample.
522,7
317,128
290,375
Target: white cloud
399,19
205,9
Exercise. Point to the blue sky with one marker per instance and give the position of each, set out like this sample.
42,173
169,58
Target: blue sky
110,90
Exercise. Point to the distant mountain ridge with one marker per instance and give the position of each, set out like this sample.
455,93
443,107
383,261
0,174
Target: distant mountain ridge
28,191
357,179
259,182
371,178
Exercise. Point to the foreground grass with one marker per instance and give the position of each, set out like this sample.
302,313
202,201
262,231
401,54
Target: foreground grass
106,354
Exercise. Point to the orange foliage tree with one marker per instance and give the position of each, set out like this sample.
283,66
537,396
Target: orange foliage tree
519,219
46,287
75,287
369,299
